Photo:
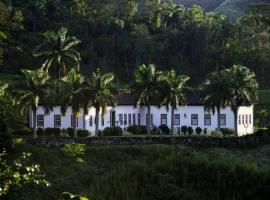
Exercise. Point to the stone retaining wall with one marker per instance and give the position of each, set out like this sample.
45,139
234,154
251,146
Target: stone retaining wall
201,141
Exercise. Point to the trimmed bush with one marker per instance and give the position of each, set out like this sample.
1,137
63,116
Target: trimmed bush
227,131
137,129
6,141
40,132
155,130
198,130
55,132
261,131
82,133
113,131
190,130
25,131
184,129
205,131
216,134
165,129
70,132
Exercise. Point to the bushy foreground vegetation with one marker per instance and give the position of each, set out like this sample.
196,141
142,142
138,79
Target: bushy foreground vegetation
144,173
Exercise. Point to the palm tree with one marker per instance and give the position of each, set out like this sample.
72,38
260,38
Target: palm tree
71,94
58,49
243,89
146,88
30,90
215,91
174,93
100,93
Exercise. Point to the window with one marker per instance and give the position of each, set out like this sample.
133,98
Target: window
149,122
90,120
207,119
243,119
134,118
176,120
163,119
125,119
194,119
246,119
57,121
239,119
139,119
129,119
222,120
102,121
120,116
40,120
72,121
249,119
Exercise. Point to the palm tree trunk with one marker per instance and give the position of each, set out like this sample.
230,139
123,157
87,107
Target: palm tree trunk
149,120
172,120
97,121
218,118
75,125
34,123
235,112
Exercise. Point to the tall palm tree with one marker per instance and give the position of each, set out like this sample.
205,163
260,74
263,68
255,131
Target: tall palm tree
30,91
100,93
71,94
174,93
243,89
146,88
215,92
58,50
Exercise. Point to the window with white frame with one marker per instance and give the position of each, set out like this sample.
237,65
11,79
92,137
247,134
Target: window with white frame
239,119
120,117
125,119
222,119
194,119
207,119
57,121
243,119
149,121
40,120
163,119
134,118
176,120
246,119
250,119
129,119
90,120
102,121
139,119
72,121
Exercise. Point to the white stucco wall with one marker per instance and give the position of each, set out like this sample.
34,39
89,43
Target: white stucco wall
184,111
245,120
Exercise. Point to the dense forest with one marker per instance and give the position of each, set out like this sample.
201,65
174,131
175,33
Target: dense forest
120,35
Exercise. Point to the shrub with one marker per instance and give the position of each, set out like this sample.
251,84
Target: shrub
205,131
190,130
113,131
198,130
216,134
70,132
227,131
261,131
165,129
155,130
184,129
6,141
40,132
82,133
25,131
52,132
137,129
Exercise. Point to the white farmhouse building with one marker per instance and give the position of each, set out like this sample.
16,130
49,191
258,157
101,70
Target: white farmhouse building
125,114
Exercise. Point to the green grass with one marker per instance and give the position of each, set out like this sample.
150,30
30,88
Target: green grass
149,172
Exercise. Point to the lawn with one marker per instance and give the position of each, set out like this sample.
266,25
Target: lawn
150,172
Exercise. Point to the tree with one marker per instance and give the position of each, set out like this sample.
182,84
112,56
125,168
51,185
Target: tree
31,90
243,89
100,93
70,94
215,92
59,49
174,93
146,87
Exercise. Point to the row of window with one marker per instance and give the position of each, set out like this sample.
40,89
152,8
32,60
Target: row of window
244,119
57,121
129,119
